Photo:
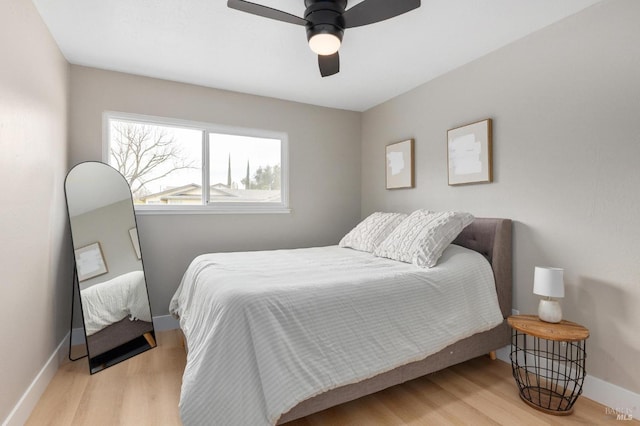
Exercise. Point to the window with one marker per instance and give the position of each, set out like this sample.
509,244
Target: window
175,165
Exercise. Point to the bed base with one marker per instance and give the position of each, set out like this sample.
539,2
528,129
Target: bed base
464,350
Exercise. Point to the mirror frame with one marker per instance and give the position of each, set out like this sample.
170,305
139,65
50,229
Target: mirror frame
130,348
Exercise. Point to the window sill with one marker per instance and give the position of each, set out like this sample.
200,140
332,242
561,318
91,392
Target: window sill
144,210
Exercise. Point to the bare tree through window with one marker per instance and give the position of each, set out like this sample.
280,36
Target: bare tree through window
145,153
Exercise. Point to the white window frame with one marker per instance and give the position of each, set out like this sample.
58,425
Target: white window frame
206,128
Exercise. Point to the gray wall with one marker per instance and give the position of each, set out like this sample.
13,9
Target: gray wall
566,106
35,253
324,158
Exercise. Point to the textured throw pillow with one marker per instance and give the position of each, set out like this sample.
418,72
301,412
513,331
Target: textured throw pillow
369,233
423,236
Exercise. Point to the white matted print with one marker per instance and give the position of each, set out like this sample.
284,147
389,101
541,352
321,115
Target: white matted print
469,153
399,165
90,262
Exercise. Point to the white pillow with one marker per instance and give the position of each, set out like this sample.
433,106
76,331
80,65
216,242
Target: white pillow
423,236
369,233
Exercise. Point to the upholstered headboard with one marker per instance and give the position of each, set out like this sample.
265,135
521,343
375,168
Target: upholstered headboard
492,239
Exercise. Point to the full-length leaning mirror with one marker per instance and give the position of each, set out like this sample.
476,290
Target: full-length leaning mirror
109,270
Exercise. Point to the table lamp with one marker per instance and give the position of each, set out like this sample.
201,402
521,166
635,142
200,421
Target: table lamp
548,282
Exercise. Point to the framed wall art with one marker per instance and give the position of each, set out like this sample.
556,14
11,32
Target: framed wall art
90,262
133,233
399,165
469,153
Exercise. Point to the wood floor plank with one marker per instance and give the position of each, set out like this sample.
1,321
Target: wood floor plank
442,401
409,406
481,398
145,390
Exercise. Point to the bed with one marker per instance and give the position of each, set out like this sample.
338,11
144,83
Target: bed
274,336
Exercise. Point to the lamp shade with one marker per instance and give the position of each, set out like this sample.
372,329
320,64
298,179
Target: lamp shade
548,282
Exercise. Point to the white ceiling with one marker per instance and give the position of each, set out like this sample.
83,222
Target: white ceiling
205,43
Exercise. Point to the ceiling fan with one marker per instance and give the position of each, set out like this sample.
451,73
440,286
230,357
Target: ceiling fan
326,21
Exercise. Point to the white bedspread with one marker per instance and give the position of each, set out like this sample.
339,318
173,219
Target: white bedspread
108,302
266,330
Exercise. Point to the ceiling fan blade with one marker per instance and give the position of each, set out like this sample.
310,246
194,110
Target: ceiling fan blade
267,12
329,64
370,11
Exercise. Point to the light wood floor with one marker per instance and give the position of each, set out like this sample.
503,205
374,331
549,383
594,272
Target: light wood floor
145,391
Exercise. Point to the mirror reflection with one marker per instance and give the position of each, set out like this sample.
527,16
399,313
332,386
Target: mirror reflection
109,269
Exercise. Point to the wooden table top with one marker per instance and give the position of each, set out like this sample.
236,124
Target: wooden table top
564,331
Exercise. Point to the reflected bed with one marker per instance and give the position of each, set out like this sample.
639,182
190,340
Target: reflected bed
109,302
115,312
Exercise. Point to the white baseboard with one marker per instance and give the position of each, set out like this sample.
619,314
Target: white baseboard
503,354
165,322
617,400
24,407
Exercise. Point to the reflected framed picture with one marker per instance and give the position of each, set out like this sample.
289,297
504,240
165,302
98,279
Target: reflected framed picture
469,153
399,165
133,233
90,262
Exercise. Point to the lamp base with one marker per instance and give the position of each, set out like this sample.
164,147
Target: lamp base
549,310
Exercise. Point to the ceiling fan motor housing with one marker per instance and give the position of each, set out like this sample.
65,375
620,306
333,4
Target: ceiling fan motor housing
325,17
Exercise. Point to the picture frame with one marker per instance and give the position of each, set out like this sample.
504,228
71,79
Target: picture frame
399,165
133,233
90,262
470,153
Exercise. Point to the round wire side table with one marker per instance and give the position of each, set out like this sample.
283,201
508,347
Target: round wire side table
548,362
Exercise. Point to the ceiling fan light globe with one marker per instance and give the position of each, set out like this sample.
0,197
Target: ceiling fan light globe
324,44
